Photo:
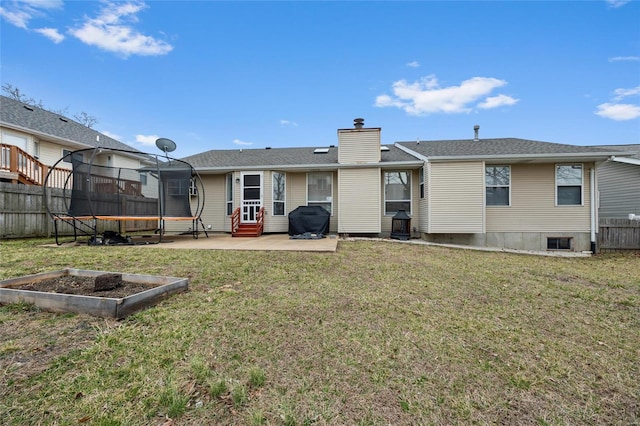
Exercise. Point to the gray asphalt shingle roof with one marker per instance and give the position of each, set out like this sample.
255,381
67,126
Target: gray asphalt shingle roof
498,147
37,120
285,157
635,148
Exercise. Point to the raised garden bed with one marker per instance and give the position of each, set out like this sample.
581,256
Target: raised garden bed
72,290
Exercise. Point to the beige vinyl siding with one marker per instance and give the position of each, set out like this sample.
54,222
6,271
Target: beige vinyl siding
456,198
533,203
619,186
215,207
415,204
50,153
359,146
359,201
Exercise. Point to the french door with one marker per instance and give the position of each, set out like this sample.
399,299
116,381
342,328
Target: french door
251,193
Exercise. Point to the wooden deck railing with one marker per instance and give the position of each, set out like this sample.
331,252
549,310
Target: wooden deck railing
260,221
235,220
28,169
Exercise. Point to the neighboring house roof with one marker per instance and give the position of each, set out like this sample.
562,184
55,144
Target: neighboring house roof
634,149
51,126
511,149
289,159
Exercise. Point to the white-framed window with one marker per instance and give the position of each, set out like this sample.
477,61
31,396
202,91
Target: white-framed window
229,193
279,191
497,180
320,190
143,178
421,182
568,184
397,192
193,187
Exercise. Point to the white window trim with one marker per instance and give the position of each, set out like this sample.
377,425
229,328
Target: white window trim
273,198
497,186
316,201
555,172
384,184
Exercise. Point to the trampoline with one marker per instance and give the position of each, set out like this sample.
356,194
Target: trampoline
98,191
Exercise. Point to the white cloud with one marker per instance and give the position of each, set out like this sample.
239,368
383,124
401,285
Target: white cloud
623,93
147,140
497,101
624,58
426,96
617,3
413,64
51,33
111,30
19,18
618,112
287,123
19,13
239,142
111,135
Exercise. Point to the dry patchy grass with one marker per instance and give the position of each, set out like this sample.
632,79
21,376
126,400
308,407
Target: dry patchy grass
377,333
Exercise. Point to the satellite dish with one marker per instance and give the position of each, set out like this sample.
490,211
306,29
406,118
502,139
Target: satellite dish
165,145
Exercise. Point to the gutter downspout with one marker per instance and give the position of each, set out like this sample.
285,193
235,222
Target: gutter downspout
594,201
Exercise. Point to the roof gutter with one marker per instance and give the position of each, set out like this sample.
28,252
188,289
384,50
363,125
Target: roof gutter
564,155
625,160
306,167
46,135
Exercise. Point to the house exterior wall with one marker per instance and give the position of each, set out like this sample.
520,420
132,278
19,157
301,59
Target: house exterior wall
533,203
357,146
359,201
619,187
456,198
532,216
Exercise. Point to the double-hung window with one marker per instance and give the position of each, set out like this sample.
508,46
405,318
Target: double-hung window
569,184
421,182
397,192
229,193
279,182
319,190
497,180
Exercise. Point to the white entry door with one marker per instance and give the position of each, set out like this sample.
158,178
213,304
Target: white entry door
251,196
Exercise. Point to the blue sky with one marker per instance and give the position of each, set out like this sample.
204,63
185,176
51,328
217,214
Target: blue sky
226,75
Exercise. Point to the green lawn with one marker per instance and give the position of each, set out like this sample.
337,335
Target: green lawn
378,333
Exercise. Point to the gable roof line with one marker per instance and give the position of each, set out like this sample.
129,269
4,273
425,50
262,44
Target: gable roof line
411,152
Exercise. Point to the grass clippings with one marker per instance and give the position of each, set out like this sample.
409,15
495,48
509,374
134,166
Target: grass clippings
377,333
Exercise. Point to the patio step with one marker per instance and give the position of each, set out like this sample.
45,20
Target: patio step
246,230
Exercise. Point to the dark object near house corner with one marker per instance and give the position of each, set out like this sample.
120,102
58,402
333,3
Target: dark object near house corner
401,226
107,282
311,219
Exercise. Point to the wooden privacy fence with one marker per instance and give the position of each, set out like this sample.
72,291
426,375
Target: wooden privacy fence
619,234
23,213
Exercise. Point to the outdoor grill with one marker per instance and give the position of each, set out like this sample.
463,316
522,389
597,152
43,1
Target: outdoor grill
401,226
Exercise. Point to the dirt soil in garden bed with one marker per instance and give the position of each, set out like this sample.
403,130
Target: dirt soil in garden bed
84,286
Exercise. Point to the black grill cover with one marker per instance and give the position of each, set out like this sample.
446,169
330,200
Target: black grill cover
313,219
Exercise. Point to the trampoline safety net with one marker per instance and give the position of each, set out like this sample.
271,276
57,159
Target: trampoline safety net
162,190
